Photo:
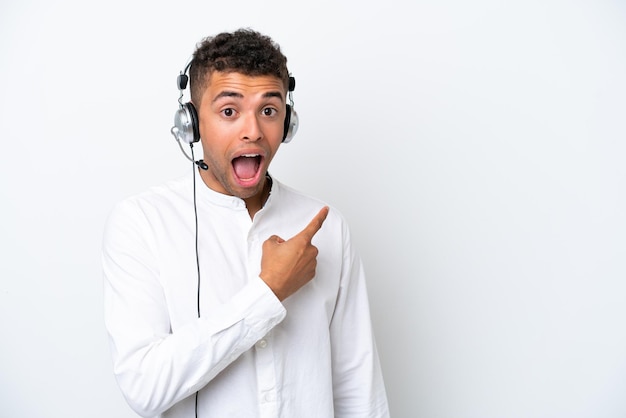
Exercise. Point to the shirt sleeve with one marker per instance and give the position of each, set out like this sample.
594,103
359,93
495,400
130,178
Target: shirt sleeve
358,385
155,367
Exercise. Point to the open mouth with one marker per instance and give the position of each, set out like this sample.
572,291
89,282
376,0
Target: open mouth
246,167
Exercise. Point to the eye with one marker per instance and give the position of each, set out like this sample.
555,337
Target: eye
269,111
228,112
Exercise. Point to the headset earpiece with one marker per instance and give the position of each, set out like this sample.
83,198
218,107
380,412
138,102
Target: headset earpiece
186,127
291,117
291,124
186,124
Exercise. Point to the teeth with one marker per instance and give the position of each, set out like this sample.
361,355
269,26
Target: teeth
250,155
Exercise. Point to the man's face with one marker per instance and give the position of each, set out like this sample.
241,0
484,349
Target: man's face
241,120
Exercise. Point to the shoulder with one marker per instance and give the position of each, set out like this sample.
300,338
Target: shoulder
292,205
163,198
288,194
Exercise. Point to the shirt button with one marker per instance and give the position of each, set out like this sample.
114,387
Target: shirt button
262,344
269,397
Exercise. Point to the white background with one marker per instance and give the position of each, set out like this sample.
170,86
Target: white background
477,148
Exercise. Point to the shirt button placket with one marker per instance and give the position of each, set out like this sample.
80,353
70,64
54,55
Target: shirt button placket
266,377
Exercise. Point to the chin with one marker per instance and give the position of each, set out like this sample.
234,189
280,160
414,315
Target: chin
247,191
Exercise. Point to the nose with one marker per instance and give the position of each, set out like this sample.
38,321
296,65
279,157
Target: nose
251,128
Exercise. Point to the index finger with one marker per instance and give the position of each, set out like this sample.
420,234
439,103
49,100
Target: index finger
316,223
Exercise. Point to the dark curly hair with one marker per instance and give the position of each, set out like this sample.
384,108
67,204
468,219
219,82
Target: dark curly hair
244,51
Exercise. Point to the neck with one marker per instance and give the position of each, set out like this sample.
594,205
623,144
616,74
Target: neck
256,203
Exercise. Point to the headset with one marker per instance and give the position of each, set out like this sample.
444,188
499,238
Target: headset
186,126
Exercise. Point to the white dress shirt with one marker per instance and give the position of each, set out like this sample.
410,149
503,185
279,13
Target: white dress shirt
248,354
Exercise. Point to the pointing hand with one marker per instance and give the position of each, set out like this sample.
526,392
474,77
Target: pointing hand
286,266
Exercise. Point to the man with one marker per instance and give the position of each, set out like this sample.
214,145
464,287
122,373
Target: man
228,294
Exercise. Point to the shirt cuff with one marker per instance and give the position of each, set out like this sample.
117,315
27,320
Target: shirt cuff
262,309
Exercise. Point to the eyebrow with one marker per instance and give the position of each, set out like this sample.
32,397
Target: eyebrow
227,93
